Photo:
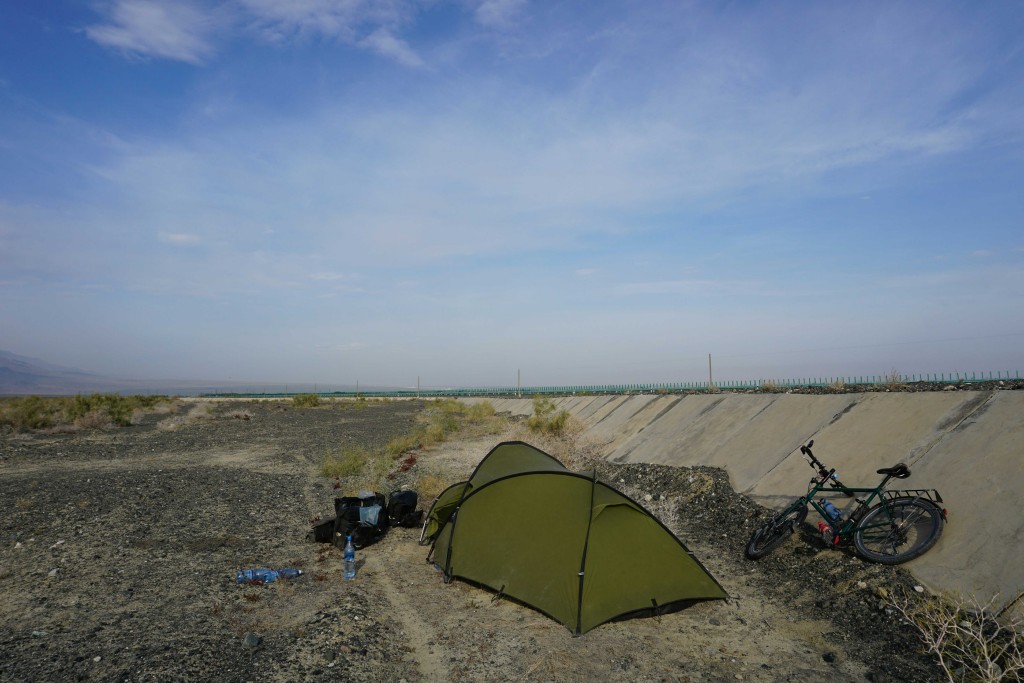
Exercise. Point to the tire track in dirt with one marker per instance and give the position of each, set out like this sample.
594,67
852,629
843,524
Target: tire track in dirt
428,655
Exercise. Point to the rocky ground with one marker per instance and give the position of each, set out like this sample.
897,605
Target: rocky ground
118,553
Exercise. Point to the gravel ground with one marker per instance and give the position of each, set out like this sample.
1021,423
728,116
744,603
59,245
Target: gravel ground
833,587
118,552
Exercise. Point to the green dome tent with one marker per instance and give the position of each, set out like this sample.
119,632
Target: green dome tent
565,543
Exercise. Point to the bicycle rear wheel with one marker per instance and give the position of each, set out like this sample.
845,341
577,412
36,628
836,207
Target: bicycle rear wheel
898,530
775,531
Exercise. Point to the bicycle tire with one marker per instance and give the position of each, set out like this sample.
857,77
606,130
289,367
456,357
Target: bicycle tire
898,530
773,532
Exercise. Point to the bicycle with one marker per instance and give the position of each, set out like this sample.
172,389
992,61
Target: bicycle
900,526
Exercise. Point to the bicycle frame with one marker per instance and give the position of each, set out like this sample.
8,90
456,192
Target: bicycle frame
843,529
883,525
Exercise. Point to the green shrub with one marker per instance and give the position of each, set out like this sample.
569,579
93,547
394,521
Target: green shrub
480,411
438,422
349,462
95,410
306,400
403,444
544,418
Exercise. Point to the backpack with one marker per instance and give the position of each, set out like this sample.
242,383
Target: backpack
402,509
362,517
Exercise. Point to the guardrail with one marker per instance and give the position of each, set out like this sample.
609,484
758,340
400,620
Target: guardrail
657,387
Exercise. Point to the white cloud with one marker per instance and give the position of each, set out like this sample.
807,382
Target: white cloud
689,287
386,44
499,13
343,347
329,276
152,28
179,239
188,32
341,19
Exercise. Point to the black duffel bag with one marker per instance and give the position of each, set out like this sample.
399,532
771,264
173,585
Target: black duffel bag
362,517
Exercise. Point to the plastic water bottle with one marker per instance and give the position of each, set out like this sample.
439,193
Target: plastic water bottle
350,559
264,575
827,535
834,513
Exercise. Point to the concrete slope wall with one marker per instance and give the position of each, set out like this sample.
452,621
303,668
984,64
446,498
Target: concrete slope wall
969,445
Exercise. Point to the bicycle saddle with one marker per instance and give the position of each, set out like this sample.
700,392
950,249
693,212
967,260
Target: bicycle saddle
899,470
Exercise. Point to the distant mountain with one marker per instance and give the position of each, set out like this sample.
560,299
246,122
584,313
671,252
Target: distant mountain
24,376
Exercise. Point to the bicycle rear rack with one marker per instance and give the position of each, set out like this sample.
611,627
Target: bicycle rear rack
930,495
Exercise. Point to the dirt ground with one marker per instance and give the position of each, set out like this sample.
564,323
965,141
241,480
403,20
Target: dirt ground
118,553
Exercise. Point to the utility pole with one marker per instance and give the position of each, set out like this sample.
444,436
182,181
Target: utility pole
519,393
417,386
711,381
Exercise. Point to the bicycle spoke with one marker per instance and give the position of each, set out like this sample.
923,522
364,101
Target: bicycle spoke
898,531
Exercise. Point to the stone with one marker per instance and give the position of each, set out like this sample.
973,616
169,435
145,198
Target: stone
53,573
862,585
829,657
919,589
251,641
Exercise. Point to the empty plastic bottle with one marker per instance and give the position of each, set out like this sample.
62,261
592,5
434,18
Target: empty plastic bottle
264,575
350,559
834,513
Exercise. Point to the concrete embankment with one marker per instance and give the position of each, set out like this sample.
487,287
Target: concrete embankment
967,444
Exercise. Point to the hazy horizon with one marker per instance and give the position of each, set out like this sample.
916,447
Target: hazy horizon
586,192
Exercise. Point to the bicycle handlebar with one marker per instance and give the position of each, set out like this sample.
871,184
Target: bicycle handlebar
806,450
824,472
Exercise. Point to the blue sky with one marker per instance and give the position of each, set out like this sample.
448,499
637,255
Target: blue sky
339,190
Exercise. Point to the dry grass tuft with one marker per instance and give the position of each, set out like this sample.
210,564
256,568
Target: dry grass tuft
429,486
894,381
967,637
197,413
94,420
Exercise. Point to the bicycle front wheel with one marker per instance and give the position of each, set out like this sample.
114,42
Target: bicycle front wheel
774,532
898,530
